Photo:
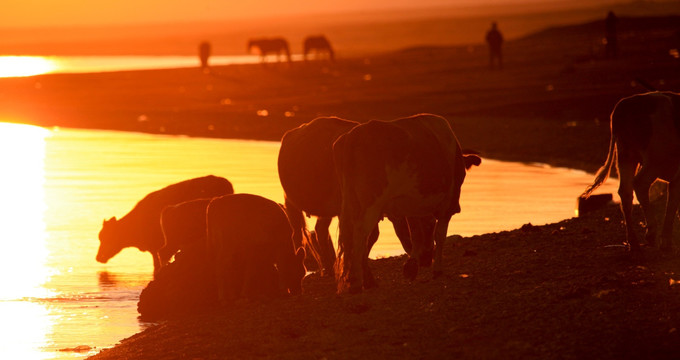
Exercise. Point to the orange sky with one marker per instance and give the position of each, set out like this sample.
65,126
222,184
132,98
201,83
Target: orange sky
20,13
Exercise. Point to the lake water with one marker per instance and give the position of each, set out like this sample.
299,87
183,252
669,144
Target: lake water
12,66
59,184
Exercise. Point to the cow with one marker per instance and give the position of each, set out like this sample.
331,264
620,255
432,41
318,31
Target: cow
183,225
141,227
645,143
247,237
307,175
411,167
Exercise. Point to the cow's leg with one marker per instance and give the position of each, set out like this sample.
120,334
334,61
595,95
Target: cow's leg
641,183
672,204
626,173
369,280
352,246
302,237
439,238
297,221
404,228
361,232
325,245
346,250
426,232
422,229
403,232
157,263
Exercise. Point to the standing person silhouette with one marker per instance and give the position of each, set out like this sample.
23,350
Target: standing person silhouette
204,54
495,40
611,46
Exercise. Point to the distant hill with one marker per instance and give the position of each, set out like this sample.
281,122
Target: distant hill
351,34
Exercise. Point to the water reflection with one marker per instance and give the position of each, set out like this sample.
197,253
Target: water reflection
14,66
24,329
22,207
11,66
23,234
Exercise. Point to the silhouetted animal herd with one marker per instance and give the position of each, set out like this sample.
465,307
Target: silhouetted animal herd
318,44
409,170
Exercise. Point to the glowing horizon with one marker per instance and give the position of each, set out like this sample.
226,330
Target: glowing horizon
17,66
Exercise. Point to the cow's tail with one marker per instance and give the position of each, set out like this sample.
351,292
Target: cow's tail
301,237
603,173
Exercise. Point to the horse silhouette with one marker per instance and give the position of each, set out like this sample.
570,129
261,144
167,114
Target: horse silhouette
270,46
320,45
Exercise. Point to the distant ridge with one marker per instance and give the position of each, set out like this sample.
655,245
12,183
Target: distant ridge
626,24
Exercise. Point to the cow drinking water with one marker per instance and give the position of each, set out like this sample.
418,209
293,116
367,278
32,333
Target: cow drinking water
645,143
141,227
411,167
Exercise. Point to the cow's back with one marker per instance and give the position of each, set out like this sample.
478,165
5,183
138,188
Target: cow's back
144,218
405,160
202,187
248,223
647,126
306,168
435,151
183,224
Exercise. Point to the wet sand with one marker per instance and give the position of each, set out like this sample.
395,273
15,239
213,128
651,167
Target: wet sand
564,290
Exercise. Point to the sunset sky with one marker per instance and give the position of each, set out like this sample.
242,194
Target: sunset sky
32,13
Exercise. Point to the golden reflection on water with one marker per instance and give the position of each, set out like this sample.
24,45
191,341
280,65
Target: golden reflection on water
23,235
22,206
11,66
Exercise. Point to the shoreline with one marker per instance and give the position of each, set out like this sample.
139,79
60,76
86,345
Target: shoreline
562,290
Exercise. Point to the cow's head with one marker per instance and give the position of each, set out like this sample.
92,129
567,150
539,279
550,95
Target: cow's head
109,241
294,273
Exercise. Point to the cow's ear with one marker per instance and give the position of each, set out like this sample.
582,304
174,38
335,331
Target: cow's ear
471,159
111,220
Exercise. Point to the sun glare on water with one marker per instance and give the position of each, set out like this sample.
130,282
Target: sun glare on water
14,66
23,235
22,206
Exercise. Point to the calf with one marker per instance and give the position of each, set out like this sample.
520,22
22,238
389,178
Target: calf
411,167
645,143
141,227
248,236
184,226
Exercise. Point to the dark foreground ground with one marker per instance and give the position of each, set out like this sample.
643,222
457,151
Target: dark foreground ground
566,290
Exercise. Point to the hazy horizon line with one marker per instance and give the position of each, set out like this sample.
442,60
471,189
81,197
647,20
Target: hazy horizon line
490,8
